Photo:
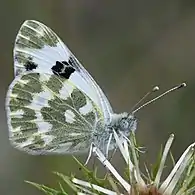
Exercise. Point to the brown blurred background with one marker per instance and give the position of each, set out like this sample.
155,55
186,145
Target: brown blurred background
128,47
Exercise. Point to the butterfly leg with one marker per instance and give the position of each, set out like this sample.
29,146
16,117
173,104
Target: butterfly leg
113,153
93,145
108,144
90,153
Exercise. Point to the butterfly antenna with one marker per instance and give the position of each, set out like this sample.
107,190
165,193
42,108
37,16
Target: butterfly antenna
160,96
156,88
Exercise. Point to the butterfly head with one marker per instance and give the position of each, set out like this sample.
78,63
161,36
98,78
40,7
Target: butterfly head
124,123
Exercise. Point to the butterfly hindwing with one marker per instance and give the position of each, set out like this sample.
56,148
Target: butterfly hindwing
47,113
38,48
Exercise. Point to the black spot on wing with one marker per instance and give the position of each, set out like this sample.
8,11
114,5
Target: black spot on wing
63,69
68,71
30,65
58,67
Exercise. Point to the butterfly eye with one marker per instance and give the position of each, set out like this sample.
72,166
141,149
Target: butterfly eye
124,123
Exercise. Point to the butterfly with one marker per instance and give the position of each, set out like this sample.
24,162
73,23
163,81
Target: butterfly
53,105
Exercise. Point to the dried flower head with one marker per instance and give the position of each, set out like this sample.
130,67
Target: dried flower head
180,181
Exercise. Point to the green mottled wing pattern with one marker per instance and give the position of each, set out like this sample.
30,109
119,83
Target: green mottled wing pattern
49,114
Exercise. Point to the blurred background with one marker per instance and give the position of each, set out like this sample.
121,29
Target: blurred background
128,46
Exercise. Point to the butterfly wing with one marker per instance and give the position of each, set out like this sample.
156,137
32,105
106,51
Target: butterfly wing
49,114
38,48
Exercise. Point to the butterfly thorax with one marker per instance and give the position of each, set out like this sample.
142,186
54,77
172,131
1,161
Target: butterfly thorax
122,124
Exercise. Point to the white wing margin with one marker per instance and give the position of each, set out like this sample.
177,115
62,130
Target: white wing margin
38,48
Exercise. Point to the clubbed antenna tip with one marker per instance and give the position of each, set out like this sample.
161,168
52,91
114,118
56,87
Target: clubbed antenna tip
156,88
182,85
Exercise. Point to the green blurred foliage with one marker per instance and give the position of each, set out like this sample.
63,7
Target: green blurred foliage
128,46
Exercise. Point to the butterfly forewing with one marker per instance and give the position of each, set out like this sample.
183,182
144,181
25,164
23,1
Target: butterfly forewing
38,48
47,113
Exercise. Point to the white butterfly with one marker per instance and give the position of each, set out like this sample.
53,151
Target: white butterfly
53,105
